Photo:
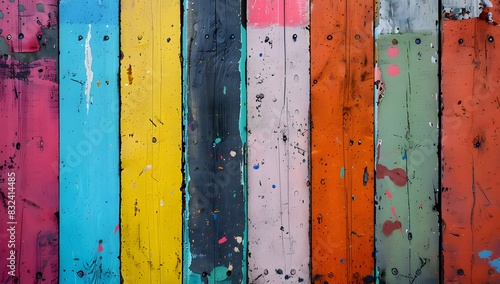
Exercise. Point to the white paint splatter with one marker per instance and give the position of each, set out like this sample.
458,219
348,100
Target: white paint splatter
88,67
233,153
162,203
146,168
239,239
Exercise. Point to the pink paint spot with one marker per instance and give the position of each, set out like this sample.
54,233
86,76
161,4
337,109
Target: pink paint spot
393,70
222,240
393,52
116,228
99,248
263,13
388,193
389,227
393,210
397,176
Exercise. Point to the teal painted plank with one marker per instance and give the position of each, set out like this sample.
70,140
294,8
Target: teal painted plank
89,145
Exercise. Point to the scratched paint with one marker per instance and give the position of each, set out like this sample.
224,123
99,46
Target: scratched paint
214,128
407,131
468,9
278,147
471,247
28,143
24,23
342,141
151,135
89,146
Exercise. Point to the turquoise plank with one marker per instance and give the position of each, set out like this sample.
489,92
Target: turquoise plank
89,145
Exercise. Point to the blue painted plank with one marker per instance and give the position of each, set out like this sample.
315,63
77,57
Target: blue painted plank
89,145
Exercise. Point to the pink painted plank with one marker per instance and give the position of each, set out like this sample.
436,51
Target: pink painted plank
278,141
29,127
28,152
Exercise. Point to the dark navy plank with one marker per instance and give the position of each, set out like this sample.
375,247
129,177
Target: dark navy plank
215,226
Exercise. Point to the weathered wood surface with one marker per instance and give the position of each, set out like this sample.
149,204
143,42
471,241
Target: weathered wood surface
471,202
151,135
89,145
278,147
342,141
407,131
29,124
214,122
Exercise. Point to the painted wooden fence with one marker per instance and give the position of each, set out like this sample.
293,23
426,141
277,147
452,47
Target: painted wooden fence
124,155
342,141
278,147
89,145
29,137
151,149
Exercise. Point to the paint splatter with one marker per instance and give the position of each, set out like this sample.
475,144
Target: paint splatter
342,172
88,67
222,240
485,254
398,176
99,248
389,227
393,70
393,52
388,193
256,167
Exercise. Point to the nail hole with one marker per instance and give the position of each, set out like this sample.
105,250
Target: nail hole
106,38
418,41
329,37
394,271
80,37
394,41
491,39
460,271
460,41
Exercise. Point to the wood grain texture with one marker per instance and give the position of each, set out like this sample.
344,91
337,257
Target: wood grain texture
278,149
342,141
29,125
214,122
471,203
89,145
407,132
151,135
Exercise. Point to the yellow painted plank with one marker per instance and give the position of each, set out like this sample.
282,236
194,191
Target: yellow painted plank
151,136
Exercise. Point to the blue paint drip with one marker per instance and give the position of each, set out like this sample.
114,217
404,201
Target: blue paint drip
485,254
404,156
256,167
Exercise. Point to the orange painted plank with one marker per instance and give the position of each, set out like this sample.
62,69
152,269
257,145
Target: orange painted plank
470,143
342,141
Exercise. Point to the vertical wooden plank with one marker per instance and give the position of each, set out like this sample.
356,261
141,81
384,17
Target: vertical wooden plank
471,202
407,129
278,133
29,125
89,145
342,141
151,135
214,120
